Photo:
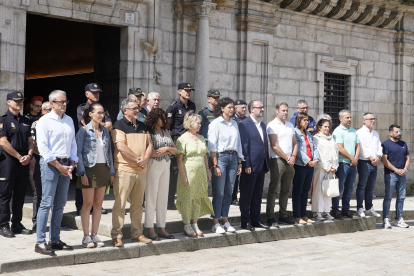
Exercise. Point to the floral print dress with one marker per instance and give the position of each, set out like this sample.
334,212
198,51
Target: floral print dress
192,200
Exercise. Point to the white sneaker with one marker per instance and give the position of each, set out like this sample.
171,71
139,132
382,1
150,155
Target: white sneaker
371,212
361,213
387,224
327,216
318,217
401,223
97,241
218,229
87,242
228,227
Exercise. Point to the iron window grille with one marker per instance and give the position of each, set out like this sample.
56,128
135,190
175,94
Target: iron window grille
336,93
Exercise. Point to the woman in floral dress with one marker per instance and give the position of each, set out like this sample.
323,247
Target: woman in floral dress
194,174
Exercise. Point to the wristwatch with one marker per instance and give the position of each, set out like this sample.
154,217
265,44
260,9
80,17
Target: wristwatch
82,175
31,156
216,166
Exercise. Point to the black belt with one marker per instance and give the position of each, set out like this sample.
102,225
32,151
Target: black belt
62,160
229,151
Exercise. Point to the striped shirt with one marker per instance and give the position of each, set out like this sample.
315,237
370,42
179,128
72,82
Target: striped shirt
160,142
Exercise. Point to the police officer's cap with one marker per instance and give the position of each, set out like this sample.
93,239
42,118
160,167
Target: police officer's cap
15,95
135,91
213,93
185,85
240,102
93,87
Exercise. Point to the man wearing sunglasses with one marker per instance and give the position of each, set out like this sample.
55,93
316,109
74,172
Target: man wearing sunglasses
16,151
304,107
396,160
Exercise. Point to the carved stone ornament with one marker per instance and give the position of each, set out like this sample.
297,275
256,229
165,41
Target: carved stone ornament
341,8
325,7
203,9
353,13
290,4
308,6
380,18
394,18
367,15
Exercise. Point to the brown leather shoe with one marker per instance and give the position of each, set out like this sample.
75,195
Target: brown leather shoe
142,239
350,215
117,242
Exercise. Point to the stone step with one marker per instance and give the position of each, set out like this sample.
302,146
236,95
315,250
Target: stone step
181,243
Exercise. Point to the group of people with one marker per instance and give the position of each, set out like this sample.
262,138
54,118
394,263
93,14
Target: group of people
177,151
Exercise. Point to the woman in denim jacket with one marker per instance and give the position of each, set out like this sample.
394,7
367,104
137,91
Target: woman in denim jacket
95,170
306,159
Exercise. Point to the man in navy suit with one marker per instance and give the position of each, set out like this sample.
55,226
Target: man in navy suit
255,150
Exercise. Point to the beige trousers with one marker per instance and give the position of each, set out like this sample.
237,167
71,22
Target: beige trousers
126,185
156,193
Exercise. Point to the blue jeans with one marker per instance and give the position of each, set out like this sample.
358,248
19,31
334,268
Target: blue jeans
223,185
366,183
394,182
302,182
346,177
54,196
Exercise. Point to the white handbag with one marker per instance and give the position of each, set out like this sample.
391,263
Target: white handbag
330,186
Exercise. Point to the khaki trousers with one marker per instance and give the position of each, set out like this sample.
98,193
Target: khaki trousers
126,185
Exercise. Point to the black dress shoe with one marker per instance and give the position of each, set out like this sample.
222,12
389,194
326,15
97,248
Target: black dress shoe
336,215
259,224
20,229
60,246
286,220
7,232
166,237
44,249
247,226
104,212
271,221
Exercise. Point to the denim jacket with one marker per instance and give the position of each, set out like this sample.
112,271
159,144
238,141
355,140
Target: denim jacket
301,157
87,146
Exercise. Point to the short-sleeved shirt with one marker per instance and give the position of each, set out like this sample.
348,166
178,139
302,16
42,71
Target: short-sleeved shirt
175,116
135,137
32,117
348,137
396,153
33,130
207,117
82,107
17,131
285,132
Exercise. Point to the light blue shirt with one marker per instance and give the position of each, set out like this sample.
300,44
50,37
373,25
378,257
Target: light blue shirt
55,137
141,117
224,136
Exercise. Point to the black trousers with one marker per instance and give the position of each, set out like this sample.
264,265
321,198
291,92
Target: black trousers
13,182
173,179
236,188
37,198
251,190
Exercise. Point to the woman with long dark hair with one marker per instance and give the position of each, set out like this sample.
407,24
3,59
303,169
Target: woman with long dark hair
95,170
306,159
158,174
226,152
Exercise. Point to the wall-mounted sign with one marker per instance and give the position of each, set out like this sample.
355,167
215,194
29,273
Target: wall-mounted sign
130,18
26,2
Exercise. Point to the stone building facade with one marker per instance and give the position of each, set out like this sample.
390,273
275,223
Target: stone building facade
248,49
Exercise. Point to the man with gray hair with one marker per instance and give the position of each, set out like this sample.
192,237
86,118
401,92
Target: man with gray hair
283,154
55,137
303,107
153,101
346,139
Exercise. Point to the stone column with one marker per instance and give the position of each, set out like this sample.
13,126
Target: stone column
201,72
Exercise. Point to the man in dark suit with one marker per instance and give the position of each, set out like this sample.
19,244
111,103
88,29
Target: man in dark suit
255,150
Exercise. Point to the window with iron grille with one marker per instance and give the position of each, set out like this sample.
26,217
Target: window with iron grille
336,93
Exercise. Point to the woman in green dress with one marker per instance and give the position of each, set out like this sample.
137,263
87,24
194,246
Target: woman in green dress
194,174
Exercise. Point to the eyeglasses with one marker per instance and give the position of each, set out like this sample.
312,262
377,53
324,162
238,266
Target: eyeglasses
48,110
371,119
61,102
398,132
38,106
258,107
303,108
135,108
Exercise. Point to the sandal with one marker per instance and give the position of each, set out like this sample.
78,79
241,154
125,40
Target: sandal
188,231
198,231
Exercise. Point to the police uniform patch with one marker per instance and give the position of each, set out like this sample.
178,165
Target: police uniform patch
12,125
19,94
25,125
169,115
107,113
1,126
95,85
188,84
179,112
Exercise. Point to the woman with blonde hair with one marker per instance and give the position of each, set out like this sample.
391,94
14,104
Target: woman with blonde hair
194,174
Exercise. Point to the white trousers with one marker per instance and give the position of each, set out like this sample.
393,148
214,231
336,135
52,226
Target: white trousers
156,192
320,203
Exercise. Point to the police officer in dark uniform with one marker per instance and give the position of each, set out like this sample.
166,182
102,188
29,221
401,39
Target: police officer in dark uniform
239,115
175,119
16,152
92,93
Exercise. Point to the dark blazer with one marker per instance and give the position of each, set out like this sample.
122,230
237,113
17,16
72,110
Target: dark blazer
255,151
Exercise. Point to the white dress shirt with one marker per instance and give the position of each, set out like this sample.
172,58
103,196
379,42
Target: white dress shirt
56,137
224,136
285,132
259,127
369,142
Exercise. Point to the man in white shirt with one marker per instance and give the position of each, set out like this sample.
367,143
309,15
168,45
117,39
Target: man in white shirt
55,135
284,148
371,153
153,101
